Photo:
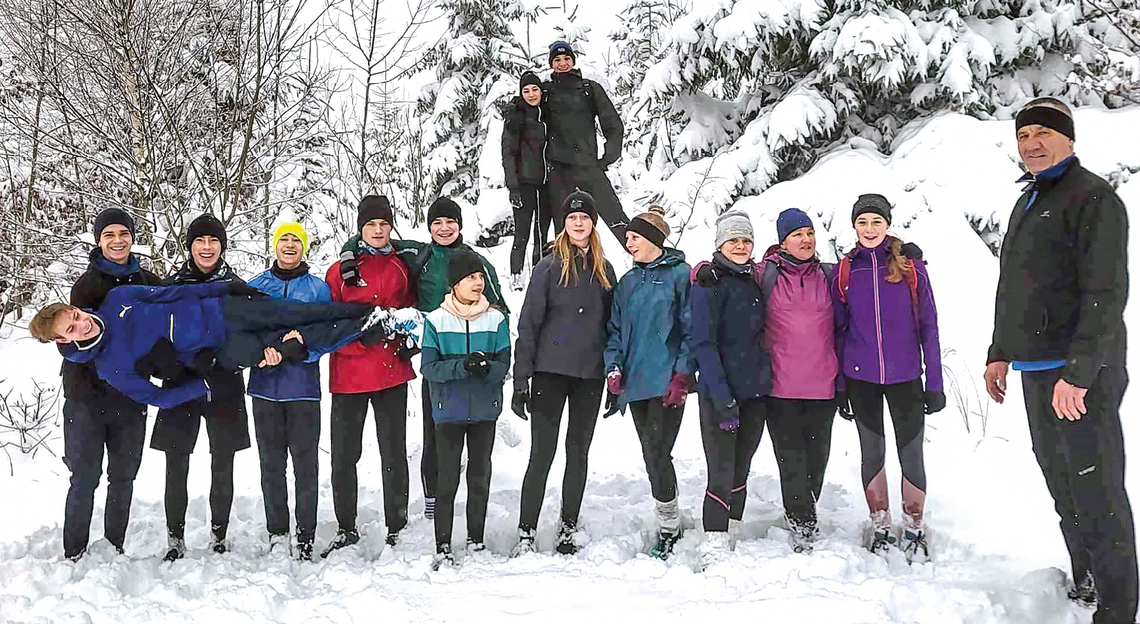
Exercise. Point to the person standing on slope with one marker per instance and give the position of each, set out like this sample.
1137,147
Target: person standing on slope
1059,319
889,328
734,377
562,335
376,373
577,106
427,266
466,356
648,360
96,415
287,402
227,424
524,163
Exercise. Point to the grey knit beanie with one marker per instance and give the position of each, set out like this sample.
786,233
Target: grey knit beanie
732,224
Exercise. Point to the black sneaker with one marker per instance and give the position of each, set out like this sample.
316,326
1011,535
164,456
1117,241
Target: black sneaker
1084,593
76,556
176,548
526,542
303,551
343,538
392,538
566,545
665,543
218,539
442,557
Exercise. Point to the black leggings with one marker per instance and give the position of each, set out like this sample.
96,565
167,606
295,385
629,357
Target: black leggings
346,433
221,492
549,394
657,428
535,201
906,403
429,463
801,438
729,457
480,441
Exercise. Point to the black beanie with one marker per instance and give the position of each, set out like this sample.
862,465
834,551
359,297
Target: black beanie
560,47
871,202
580,201
374,207
206,225
113,216
529,78
445,207
463,262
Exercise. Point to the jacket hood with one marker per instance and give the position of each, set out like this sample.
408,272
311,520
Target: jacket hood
775,255
669,257
96,261
721,261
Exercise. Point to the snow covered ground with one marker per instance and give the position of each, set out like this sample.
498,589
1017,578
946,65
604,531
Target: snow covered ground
997,551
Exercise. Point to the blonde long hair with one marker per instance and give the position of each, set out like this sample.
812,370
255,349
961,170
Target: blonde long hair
898,266
566,251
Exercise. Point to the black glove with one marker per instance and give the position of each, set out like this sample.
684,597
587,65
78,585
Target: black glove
292,351
241,289
477,364
203,363
403,351
516,199
707,276
349,268
611,404
933,401
912,251
519,402
843,404
225,386
161,362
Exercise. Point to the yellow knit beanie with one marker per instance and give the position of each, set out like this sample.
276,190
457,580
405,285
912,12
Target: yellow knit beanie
296,229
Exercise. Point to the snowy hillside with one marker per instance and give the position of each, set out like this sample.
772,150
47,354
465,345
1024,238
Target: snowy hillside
996,547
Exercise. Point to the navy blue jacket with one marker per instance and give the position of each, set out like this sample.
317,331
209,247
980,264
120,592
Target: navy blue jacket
289,382
727,338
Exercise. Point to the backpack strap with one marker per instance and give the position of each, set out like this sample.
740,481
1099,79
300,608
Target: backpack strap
768,279
912,282
588,87
844,277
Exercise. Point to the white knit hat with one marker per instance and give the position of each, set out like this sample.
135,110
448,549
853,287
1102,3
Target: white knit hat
732,224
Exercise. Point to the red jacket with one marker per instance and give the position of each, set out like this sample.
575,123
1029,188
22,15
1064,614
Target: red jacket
357,368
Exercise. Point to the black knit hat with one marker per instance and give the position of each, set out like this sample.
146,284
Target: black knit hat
206,225
445,207
529,78
113,216
560,47
374,207
462,263
580,201
871,202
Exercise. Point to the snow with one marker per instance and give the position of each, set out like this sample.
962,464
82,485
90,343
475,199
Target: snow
997,551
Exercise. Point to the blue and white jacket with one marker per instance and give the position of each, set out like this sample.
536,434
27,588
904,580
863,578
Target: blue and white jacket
289,382
456,396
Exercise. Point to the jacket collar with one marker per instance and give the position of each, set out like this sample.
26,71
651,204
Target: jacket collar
1052,174
720,261
289,274
668,257
574,75
100,263
190,274
776,255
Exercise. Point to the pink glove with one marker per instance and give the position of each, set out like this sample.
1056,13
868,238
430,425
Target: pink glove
613,382
678,390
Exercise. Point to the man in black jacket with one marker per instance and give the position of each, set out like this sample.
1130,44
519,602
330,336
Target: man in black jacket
572,140
95,414
1059,320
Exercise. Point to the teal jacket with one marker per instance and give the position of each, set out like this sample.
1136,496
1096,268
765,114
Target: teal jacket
650,327
456,396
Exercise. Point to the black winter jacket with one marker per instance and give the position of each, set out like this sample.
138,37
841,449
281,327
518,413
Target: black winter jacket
1064,277
573,104
524,145
80,381
562,329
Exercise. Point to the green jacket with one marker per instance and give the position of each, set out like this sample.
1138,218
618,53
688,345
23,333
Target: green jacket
427,263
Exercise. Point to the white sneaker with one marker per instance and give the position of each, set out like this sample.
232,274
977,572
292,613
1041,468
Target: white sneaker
715,548
279,544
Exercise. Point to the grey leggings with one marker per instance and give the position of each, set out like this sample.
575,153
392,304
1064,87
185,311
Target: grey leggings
906,403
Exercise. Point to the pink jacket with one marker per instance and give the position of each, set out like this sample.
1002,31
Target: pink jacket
799,333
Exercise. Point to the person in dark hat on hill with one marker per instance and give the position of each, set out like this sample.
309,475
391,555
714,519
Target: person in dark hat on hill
576,108
524,164
96,416
427,265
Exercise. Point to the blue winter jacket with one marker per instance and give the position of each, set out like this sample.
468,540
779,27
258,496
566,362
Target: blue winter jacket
135,317
289,382
728,331
456,396
649,328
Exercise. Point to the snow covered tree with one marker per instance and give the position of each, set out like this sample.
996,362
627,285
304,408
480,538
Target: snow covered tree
767,87
476,66
1109,64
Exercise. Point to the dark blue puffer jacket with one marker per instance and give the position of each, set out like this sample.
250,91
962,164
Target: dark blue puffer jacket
289,382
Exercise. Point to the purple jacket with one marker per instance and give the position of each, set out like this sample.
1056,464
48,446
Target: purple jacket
799,333
887,338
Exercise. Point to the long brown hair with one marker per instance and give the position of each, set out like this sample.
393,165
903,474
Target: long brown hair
898,267
566,252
